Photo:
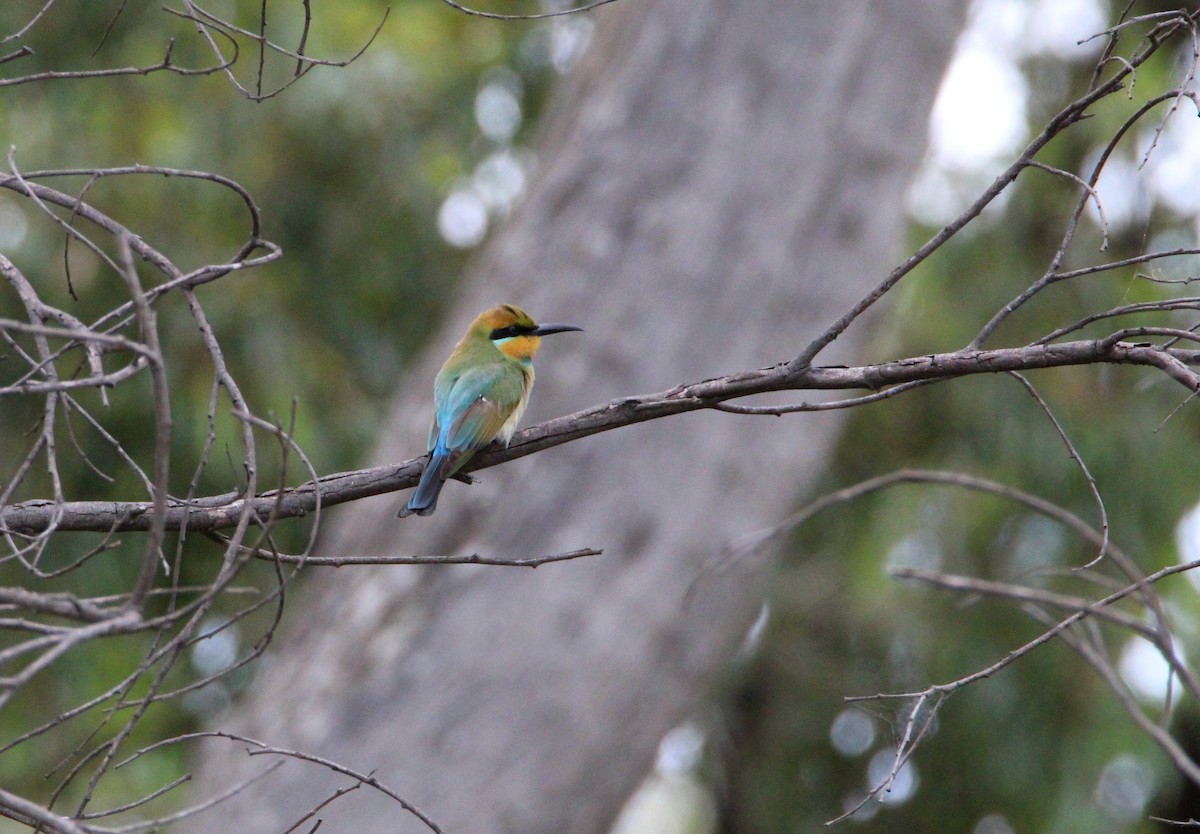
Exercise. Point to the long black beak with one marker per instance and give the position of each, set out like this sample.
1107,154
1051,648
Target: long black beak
547,329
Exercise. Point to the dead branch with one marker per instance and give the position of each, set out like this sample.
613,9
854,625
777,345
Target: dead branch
222,511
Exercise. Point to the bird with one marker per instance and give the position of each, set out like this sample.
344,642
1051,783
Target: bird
479,395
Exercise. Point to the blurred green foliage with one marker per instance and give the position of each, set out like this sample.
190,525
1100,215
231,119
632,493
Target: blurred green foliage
1027,748
349,167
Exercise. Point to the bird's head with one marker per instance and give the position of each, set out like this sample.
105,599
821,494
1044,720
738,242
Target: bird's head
513,332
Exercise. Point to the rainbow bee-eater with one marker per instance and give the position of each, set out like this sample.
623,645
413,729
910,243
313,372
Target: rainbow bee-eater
479,395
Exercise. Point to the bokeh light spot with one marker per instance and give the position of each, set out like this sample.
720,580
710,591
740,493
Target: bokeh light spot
903,786
852,733
1124,788
463,219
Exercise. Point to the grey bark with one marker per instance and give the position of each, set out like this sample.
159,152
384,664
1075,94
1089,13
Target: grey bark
718,181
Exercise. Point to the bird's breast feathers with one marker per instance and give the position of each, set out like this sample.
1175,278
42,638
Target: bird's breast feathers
510,425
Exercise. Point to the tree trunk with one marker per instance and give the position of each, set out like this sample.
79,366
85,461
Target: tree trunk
718,181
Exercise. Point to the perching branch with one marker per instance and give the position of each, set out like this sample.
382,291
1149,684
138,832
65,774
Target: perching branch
222,511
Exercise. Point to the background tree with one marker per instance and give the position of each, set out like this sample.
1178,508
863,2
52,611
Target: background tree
716,183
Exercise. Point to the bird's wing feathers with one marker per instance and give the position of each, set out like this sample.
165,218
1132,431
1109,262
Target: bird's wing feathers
477,426
477,405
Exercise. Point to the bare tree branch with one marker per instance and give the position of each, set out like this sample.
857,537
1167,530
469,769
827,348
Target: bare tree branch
221,511
35,816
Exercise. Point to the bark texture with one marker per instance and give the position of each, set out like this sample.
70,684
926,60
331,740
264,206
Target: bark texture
718,181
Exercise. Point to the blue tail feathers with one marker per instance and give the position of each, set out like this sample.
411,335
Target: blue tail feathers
433,478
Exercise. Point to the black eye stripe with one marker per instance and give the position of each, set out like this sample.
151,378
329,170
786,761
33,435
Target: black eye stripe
511,330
